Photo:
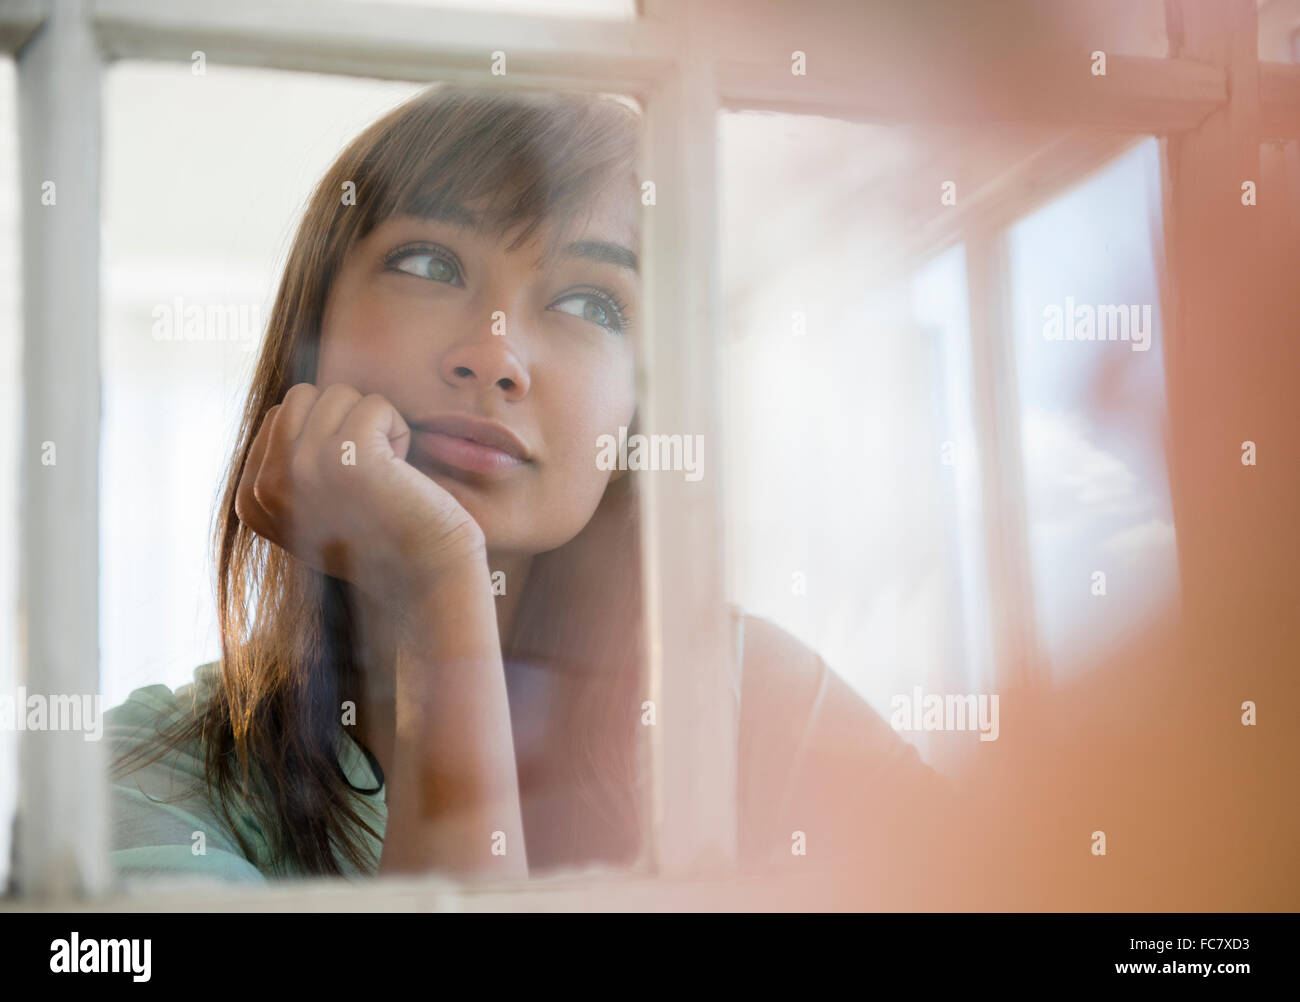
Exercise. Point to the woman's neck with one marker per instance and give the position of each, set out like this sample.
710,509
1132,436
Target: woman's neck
376,714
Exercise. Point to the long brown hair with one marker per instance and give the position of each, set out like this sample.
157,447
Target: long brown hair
289,645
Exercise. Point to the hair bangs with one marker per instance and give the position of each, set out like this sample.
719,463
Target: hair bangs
501,161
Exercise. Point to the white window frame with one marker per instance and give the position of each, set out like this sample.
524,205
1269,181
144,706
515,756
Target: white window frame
685,62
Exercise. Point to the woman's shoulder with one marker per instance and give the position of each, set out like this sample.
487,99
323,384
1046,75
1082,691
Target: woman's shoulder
775,667
164,822
151,710
149,702
813,753
789,691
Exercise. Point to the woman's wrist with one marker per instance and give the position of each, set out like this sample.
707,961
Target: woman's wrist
466,546
438,578
455,595
455,788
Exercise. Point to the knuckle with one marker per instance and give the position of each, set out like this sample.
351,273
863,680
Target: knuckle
245,490
340,391
263,491
269,488
300,391
376,408
251,515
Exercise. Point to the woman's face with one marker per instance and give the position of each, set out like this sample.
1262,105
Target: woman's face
414,315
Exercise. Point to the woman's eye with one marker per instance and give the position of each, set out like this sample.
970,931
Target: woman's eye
594,309
423,264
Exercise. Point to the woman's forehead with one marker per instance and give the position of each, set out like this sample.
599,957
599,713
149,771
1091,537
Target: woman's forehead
614,222
613,216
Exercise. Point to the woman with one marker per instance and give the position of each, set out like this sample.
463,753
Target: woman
428,589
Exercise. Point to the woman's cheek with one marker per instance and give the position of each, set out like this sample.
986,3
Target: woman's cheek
588,479
580,462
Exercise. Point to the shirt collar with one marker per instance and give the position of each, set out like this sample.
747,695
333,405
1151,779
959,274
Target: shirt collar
357,766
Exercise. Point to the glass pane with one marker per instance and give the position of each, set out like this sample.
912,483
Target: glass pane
853,489
1090,378
888,376
239,217
198,214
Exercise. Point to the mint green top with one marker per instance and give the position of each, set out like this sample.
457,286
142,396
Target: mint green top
158,809
813,756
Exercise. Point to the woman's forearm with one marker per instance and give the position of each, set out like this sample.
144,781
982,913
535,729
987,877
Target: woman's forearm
453,798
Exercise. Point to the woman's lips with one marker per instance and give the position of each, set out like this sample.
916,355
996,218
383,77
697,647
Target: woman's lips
461,453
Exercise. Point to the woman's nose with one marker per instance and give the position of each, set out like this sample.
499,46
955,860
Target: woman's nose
485,361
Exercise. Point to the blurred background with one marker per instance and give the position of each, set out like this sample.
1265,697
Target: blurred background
922,497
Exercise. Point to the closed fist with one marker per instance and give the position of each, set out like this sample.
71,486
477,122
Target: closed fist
327,480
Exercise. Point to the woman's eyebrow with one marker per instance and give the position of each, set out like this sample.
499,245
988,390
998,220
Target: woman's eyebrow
601,250
444,211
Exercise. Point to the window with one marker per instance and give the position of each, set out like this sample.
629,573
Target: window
956,550
1092,412
853,468
871,468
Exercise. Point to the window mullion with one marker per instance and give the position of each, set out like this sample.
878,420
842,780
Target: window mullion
691,656
997,429
61,839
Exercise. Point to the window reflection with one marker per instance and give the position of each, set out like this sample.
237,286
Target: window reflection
1092,412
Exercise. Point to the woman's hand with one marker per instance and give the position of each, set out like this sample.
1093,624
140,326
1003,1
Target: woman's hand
327,480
